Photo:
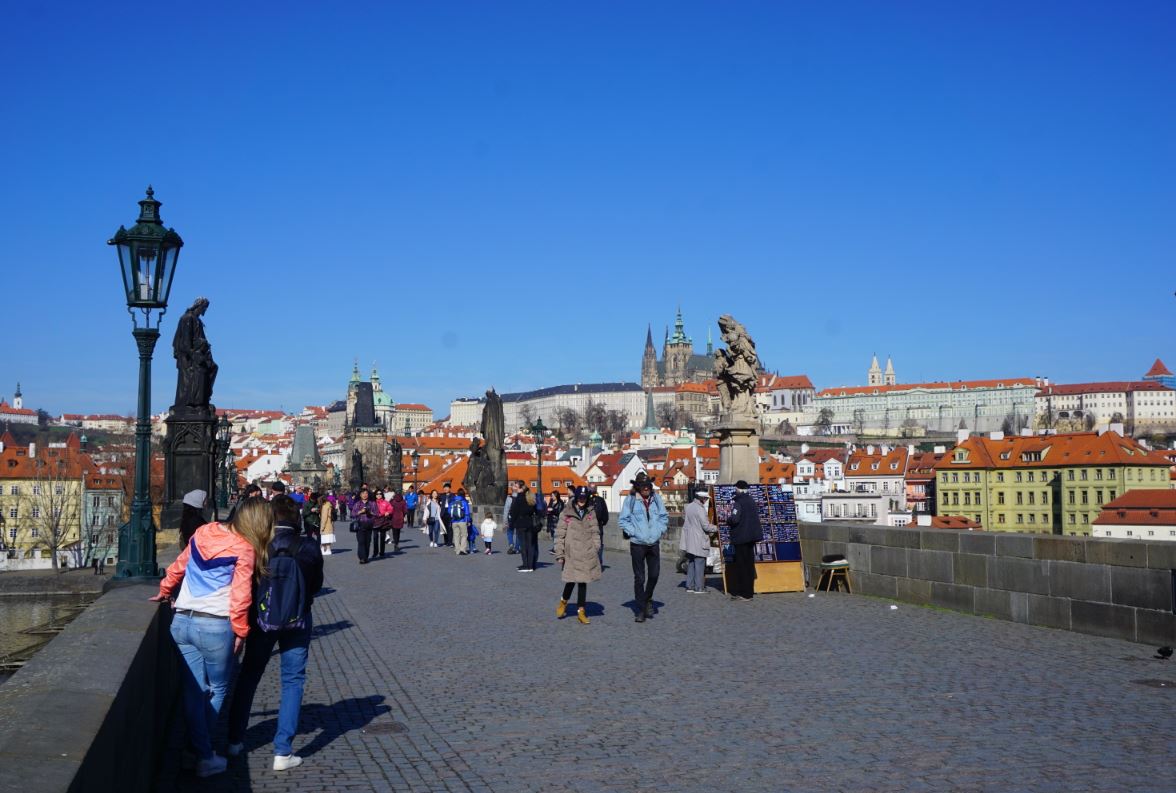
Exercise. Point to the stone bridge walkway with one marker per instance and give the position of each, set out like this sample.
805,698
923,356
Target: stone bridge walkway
432,672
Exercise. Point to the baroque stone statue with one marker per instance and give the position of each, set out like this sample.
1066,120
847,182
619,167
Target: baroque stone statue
736,369
196,368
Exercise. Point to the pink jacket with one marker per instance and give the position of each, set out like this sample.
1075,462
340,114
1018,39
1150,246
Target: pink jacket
214,574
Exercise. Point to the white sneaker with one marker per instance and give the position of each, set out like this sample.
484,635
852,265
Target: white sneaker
212,766
235,749
284,762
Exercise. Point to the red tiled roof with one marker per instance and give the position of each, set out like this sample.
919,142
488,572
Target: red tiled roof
772,472
1064,449
863,463
414,406
954,522
958,385
1158,370
771,382
1140,507
1111,387
11,411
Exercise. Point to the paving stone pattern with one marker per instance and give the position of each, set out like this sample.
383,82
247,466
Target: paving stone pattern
788,692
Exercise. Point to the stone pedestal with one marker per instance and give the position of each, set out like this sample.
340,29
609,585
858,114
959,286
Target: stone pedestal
372,443
738,452
189,463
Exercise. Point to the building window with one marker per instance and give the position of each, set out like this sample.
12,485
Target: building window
1032,518
1073,519
12,535
1032,497
34,532
944,477
36,490
58,490
1098,497
967,499
14,490
1085,518
1070,475
1098,473
1071,493
1000,476
1030,476
1020,518
1082,475
955,477
1020,498
1000,517
1000,497
955,499
1129,532
1045,497
1018,476
12,512
1044,518
1085,496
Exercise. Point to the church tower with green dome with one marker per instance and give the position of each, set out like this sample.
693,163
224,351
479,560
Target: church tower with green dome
385,407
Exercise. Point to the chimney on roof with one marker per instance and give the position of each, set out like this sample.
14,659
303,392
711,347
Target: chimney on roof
1116,427
940,450
32,449
1026,432
870,449
923,519
910,448
996,435
962,435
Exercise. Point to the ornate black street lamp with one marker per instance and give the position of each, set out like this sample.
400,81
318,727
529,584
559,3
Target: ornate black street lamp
147,255
539,431
224,436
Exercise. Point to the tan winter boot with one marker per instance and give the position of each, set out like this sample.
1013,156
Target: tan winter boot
582,617
561,609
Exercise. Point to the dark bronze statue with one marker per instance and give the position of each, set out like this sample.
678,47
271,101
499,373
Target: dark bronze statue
356,479
196,368
395,466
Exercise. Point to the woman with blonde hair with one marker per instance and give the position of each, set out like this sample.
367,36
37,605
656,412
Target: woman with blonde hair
326,526
214,576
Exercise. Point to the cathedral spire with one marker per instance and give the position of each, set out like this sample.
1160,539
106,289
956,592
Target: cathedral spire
710,345
355,371
649,337
650,417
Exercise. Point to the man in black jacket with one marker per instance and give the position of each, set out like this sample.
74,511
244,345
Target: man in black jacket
294,643
746,531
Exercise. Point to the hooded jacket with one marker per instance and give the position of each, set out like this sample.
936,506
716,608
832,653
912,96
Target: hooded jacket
214,574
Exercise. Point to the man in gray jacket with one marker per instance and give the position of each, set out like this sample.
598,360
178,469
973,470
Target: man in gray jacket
696,531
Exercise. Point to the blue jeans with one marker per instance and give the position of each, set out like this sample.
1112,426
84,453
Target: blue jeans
512,538
206,643
294,646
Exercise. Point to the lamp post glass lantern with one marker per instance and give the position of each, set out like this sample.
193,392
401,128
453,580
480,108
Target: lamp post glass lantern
147,257
223,437
539,431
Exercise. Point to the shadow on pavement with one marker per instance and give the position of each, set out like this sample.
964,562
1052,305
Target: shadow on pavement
331,627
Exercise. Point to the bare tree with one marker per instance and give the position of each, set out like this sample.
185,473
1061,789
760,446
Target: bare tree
567,421
859,421
825,421
527,414
51,512
664,414
595,417
1088,421
616,422
785,428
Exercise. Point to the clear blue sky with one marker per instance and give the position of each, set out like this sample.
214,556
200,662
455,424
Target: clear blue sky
507,193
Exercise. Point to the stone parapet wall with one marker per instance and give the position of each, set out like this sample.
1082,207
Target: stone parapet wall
1123,589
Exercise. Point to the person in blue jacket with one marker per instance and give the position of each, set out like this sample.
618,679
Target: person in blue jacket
643,521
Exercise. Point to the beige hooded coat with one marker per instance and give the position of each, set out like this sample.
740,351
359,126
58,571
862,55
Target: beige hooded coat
577,543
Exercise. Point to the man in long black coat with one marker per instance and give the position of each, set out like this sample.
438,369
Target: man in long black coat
746,531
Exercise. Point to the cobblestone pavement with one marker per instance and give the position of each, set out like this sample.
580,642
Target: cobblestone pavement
433,672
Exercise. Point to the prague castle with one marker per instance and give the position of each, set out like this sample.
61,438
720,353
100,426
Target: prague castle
678,364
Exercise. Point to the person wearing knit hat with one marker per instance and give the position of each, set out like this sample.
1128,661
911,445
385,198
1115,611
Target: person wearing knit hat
746,531
192,517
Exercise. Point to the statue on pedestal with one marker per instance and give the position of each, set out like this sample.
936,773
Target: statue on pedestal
489,471
736,368
395,466
196,368
356,478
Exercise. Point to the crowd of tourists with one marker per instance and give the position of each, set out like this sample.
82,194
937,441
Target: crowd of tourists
248,583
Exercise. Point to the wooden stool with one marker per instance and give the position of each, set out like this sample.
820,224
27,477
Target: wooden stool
831,574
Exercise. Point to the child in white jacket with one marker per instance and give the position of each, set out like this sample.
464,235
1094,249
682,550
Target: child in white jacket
487,529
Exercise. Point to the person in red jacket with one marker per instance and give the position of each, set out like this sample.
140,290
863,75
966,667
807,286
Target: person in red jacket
399,514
